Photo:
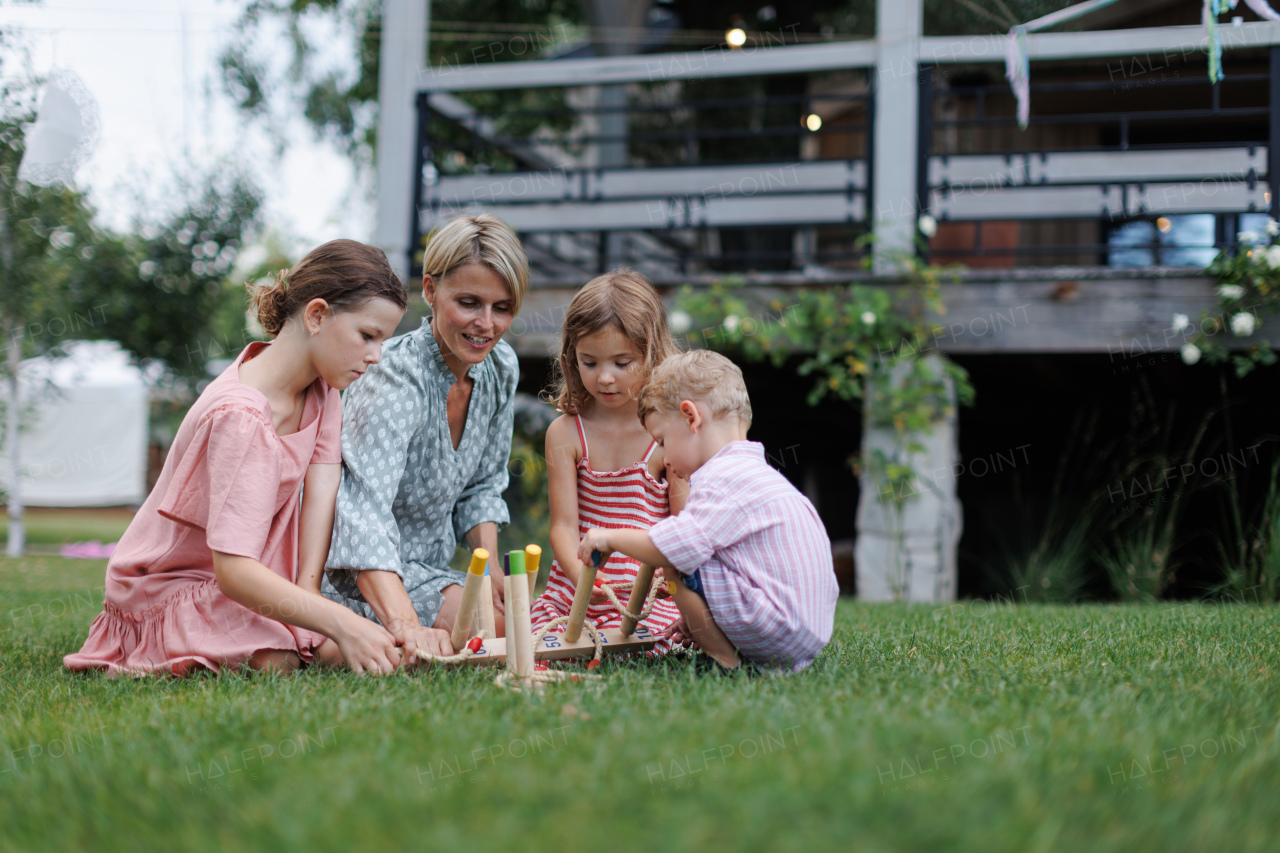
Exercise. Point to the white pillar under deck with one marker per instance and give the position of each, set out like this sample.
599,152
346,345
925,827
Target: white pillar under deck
403,54
899,28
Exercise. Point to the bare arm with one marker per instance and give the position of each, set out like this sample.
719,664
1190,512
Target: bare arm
319,498
562,490
677,494
633,543
385,593
366,647
563,454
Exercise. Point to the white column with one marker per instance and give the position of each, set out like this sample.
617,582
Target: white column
906,547
403,55
898,31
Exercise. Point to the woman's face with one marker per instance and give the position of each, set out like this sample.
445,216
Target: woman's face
346,343
472,309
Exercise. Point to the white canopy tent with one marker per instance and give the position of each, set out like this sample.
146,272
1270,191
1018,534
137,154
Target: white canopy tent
85,422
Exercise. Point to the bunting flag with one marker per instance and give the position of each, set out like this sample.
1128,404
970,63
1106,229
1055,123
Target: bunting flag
64,134
1209,15
1017,61
1017,70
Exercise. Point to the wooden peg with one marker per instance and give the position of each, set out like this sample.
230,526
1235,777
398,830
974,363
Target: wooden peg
518,618
532,555
488,619
644,579
581,599
471,591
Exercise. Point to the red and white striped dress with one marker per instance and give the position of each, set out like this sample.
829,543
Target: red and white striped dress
630,498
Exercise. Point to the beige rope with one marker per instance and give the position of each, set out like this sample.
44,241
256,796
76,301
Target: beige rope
654,588
510,681
467,652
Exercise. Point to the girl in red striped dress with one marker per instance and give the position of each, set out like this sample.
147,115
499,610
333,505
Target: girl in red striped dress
604,469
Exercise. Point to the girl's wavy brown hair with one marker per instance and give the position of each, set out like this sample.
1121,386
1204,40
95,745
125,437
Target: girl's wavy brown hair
624,300
344,273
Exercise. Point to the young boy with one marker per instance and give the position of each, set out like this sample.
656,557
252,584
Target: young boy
752,562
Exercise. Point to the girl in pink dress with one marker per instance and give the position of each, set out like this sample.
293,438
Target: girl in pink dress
221,566
603,468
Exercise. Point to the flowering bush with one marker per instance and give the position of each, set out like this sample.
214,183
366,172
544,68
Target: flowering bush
1248,292
858,343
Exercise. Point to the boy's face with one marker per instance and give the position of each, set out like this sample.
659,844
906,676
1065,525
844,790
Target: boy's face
680,446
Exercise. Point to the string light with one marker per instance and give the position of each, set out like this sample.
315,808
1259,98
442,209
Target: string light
736,37
813,121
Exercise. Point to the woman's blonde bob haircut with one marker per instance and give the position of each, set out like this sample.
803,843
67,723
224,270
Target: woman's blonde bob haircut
702,376
481,239
624,300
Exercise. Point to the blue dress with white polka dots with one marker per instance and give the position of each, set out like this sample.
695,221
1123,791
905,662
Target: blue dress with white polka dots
407,496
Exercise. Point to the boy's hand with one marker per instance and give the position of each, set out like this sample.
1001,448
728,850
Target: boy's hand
679,635
595,540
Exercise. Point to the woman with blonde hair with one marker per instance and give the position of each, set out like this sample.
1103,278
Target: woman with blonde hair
425,442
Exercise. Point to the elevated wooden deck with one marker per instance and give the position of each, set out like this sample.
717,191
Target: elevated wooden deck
1124,313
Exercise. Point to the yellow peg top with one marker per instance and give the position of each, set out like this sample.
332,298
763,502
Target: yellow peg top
479,559
532,554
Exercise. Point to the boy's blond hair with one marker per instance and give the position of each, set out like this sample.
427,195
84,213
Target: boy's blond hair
481,239
700,375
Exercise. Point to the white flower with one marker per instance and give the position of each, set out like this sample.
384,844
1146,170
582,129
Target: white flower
1180,322
869,317
1273,227
731,323
1248,237
1231,291
1272,256
928,226
680,322
1190,353
1243,324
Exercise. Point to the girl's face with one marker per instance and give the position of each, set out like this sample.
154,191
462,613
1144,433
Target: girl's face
611,367
344,344
472,308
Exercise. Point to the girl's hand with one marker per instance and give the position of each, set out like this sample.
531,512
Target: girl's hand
664,588
367,646
574,572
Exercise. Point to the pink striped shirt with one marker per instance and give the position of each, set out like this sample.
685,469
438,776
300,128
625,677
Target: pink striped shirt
762,553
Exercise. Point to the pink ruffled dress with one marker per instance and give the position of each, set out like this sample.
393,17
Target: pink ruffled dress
229,484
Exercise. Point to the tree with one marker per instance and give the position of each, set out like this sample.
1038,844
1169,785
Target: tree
164,294
44,233
161,294
343,106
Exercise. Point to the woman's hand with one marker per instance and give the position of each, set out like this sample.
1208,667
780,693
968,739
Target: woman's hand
367,647
413,637
499,607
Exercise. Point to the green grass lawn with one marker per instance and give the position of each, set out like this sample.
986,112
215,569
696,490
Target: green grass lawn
48,528
971,727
